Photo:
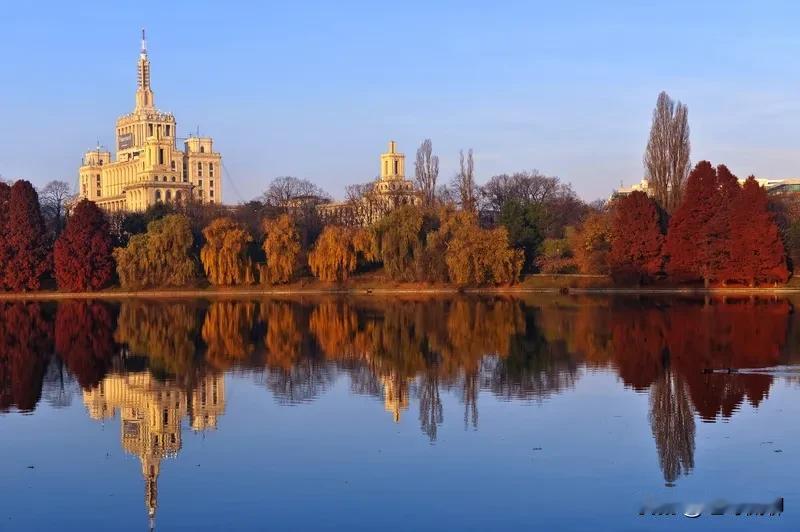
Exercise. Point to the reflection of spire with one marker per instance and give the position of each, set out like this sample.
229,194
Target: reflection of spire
395,395
672,422
151,413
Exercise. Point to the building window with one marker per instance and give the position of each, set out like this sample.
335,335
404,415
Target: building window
174,179
199,169
150,129
211,183
173,165
169,195
167,129
211,193
158,195
210,169
200,183
161,156
202,149
395,167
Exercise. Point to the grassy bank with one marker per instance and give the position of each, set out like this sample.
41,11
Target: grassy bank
377,284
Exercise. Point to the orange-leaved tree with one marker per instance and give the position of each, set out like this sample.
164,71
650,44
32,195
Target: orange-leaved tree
282,248
338,250
688,241
591,243
224,255
636,238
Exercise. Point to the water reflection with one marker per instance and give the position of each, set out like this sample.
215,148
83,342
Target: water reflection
157,363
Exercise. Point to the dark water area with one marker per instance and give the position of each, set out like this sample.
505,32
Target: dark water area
398,413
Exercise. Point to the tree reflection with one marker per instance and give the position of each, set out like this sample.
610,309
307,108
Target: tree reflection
672,423
84,339
227,332
26,342
163,332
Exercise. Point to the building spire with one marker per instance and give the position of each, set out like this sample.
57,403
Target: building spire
144,95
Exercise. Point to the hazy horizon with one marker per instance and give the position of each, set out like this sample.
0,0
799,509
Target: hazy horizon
316,90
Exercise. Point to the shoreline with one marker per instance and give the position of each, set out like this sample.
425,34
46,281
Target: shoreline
232,293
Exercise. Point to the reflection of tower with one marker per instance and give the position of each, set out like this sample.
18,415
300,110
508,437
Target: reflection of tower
672,423
395,395
151,413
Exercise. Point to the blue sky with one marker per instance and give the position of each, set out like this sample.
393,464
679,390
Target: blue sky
315,89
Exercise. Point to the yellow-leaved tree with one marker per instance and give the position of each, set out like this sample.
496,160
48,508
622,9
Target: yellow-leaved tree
158,258
282,248
337,252
224,255
477,256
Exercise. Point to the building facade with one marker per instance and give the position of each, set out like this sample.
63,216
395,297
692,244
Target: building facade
147,167
390,191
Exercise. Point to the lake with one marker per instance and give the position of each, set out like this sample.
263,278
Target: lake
398,413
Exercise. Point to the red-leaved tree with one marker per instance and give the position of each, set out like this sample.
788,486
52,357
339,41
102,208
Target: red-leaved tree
83,252
759,254
636,239
719,240
26,244
5,197
688,240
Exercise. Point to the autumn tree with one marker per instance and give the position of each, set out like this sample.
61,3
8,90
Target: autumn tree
224,255
27,248
83,257
666,159
591,243
400,240
556,255
5,197
688,241
426,172
338,251
758,254
158,258
282,248
477,256
636,238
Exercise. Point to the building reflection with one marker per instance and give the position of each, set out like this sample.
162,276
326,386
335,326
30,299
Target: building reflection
160,362
151,415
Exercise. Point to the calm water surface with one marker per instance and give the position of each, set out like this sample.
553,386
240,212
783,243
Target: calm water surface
550,413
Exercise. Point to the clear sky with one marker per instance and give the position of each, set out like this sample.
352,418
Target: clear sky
315,89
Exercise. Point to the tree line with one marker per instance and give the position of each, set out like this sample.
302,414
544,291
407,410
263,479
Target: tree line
690,226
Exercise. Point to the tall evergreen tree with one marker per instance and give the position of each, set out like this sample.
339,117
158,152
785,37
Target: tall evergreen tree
26,244
720,243
83,257
636,239
688,241
759,254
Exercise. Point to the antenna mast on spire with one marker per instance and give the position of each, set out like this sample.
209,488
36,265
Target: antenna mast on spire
144,43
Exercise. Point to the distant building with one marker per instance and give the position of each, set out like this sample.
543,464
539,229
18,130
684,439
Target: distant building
390,191
148,168
772,186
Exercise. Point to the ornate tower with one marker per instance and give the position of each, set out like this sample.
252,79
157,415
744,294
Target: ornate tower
144,95
393,164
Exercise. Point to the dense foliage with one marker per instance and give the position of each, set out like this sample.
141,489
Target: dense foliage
338,251
224,255
83,252
158,258
25,249
282,249
636,239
